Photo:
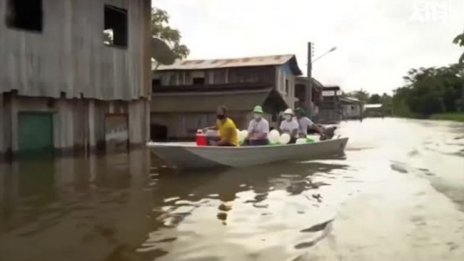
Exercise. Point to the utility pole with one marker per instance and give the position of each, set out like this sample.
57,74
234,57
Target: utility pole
309,74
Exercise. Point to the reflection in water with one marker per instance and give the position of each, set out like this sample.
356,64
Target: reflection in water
386,197
257,204
70,202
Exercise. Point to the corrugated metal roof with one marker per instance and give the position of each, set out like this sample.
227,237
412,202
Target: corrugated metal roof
331,88
226,63
304,79
350,99
373,106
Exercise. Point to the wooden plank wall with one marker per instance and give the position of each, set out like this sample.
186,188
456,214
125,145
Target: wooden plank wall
184,125
2,127
219,76
281,77
77,123
138,119
5,131
69,56
251,74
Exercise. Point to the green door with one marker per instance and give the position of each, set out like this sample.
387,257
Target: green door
35,132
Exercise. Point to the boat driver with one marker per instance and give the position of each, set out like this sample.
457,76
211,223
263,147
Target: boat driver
305,123
226,128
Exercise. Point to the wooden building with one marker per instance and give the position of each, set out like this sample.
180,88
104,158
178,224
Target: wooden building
73,73
352,108
186,94
309,101
330,110
374,110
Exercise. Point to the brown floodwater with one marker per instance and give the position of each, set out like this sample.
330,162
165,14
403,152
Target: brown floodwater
397,194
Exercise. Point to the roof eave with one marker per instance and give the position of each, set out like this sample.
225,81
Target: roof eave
294,65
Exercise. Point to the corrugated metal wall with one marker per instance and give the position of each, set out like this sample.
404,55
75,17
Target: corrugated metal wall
69,56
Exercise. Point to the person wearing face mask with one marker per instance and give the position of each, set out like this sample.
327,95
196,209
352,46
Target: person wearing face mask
290,125
305,124
226,128
258,128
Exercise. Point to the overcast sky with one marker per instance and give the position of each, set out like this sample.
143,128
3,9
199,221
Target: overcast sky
378,41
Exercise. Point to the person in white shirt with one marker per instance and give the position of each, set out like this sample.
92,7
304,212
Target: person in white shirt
258,129
289,125
305,123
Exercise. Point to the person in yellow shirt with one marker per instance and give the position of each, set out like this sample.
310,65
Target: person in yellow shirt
226,128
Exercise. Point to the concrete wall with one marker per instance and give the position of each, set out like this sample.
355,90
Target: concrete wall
68,57
77,123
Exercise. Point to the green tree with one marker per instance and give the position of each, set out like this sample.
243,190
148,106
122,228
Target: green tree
375,98
459,40
160,28
361,95
428,91
400,106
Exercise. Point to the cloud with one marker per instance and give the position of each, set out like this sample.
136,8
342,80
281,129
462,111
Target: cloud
378,41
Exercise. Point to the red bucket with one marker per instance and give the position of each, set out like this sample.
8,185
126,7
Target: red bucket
201,138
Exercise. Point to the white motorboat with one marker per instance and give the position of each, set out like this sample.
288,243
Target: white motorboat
190,156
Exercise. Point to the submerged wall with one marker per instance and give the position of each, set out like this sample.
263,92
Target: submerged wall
75,123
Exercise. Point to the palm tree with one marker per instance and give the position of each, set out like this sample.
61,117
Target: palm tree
459,40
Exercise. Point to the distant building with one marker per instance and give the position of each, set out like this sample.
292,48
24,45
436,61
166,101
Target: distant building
330,109
374,110
352,108
302,94
186,94
74,74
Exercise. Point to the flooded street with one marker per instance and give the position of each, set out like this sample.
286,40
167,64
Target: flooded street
398,194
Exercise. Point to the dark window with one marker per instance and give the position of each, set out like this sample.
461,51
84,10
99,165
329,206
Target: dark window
25,14
156,82
115,32
198,80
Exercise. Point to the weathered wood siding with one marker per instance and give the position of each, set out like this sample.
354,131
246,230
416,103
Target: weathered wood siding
282,75
2,127
184,125
251,74
69,57
276,76
77,123
351,111
264,74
